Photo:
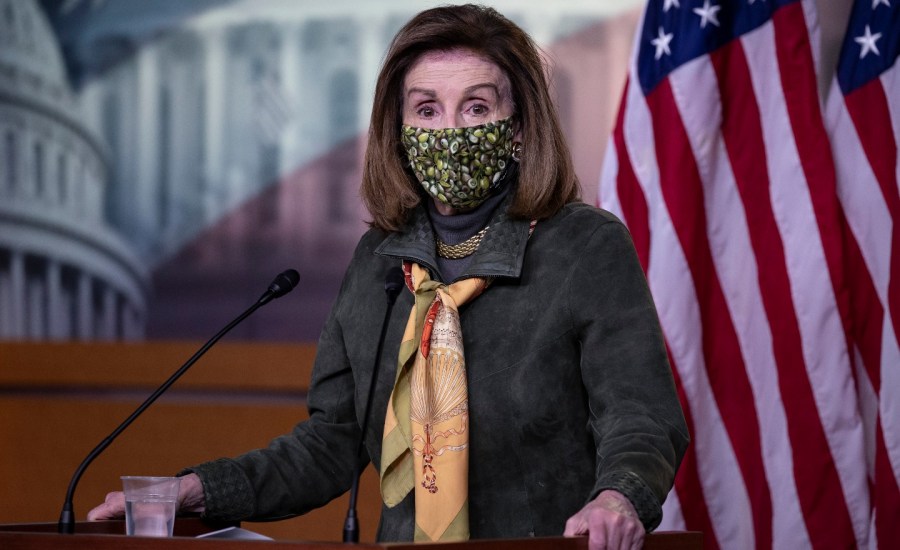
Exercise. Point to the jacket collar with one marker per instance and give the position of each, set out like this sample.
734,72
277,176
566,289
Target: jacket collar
500,254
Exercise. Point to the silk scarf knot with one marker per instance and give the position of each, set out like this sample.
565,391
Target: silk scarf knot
426,439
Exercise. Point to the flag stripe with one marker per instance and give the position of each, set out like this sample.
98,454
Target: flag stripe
631,204
865,123
887,493
868,315
890,80
811,288
735,265
799,86
867,251
631,197
688,480
723,494
682,192
868,256
830,373
868,108
744,140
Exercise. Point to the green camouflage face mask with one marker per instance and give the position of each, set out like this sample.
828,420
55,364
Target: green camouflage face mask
459,166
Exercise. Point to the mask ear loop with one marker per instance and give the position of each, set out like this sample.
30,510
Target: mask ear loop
517,149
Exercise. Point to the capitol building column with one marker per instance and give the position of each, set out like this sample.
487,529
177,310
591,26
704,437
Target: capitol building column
214,86
34,307
131,323
147,193
17,293
56,314
85,328
289,85
106,329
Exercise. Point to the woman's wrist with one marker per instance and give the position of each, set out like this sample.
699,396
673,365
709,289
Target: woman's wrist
191,495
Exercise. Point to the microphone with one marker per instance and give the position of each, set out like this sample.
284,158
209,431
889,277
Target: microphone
393,284
283,283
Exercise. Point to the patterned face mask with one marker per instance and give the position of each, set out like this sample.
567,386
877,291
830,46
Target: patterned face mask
460,167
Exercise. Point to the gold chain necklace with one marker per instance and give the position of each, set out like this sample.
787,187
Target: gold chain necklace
461,250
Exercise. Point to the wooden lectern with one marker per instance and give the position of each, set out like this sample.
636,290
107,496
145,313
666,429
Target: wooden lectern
108,535
89,384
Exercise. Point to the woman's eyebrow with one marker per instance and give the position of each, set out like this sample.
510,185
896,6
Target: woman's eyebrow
475,87
467,91
424,91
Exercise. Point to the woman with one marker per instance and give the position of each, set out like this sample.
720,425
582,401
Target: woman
533,396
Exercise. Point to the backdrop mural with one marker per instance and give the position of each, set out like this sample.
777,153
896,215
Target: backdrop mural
161,161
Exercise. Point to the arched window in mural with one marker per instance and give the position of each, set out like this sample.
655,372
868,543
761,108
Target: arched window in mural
62,179
110,125
40,183
10,159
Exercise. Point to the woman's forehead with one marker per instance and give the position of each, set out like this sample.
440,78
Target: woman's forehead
440,69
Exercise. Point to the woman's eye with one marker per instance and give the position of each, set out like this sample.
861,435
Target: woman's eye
426,112
479,109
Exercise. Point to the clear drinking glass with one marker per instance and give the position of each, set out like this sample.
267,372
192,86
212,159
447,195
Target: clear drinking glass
150,505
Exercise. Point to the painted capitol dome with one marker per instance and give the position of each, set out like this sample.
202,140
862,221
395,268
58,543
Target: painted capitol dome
65,274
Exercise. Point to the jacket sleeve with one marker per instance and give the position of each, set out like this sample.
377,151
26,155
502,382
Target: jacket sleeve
301,470
635,416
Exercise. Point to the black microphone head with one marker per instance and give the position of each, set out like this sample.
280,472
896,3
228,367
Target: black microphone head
284,283
394,280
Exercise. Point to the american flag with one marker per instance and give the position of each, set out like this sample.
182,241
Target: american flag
720,164
863,118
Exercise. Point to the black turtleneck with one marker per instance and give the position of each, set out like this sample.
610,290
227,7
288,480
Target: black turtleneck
456,228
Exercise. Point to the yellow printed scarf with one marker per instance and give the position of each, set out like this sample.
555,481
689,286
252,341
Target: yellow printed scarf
426,438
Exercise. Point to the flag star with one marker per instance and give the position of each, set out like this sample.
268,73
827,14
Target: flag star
669,4
661,43
867,41
875,3
708,14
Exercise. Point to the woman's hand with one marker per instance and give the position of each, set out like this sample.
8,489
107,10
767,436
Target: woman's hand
190,499
610,521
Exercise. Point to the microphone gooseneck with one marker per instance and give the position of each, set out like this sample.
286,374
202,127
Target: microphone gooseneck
393,284
283,283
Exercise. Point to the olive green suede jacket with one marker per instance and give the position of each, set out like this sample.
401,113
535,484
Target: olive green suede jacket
570,391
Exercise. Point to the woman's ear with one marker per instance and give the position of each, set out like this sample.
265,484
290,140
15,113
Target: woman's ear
517,128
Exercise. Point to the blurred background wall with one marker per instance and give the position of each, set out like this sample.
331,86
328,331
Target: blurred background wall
161,161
